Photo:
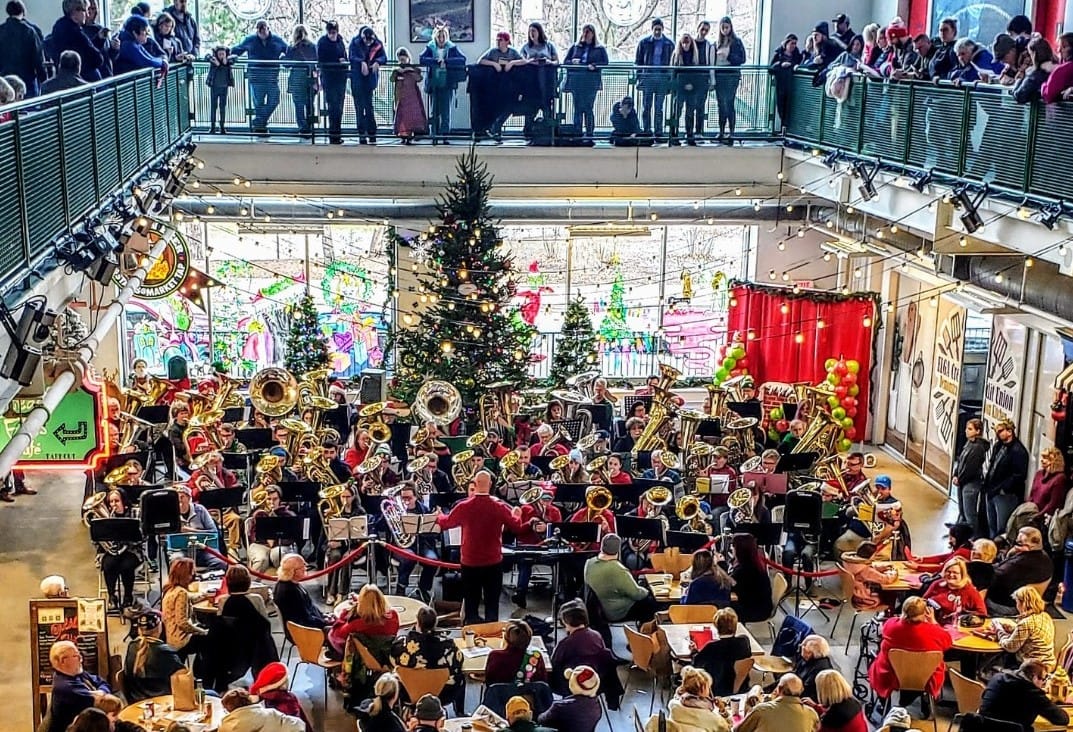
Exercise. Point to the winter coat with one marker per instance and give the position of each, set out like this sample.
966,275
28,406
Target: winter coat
578,76
693,714
452,72
370,53
259,718
909,636
186,30
220,76
969,467
1008,469
69,36
1030,87
270,49
21,52
133,55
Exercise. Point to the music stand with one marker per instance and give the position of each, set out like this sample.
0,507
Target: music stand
752,409
687,541
236,460
766,534
234,415
642,460
222,498
255,438
796,461
641,529
299,491
570,492
134,492
803,515
602,414
628,494
710,428
543,462
444,501
576,532
629,401
284,529
154,413
371,504
645,483
120,530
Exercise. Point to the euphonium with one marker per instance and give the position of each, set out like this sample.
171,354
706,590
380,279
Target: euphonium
460,468
438,402
332,504
379,432
570,400
269,470
476,440
259,498
740,503
95,507
273,391
370,471
296,430
829,469
317,467
733,388
698,458
596,468
687,509
717,401
597,500
393,511
416,468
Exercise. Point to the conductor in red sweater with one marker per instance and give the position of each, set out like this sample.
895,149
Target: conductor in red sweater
482,519
915,630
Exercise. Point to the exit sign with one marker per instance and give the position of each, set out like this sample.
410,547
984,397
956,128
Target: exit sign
71,438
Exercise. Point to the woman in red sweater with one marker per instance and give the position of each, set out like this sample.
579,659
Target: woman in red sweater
954,593
1049,484
915,630
838,710
370,615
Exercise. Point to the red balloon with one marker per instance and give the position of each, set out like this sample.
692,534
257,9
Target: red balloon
848,403
840,368
849,379
852,412
743,362
782,425
840,392
850,433
736,372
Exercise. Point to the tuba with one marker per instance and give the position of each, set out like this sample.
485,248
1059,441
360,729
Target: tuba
393,511
510,468
687,509
698,457
416,468
742,429
828,469
663,410
317,468
495,407
740,504
273,391
332,504
370,470
717,399
821,435
598,499
438,402
95,507
689,422
269,470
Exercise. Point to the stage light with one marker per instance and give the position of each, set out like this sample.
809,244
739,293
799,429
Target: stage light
28,339
1050,215
921,180
970,215
867,175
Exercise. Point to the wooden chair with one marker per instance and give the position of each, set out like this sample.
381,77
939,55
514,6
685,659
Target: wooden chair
421,681
967,692
642,648
680,614
779,587
913,670
485,630
671,561
742,668
847,583
310,645
368,659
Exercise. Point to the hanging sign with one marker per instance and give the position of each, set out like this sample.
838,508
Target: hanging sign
73,436
945,388
1005,372
171,273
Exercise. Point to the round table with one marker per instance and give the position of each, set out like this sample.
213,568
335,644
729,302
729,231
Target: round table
772,665
133,713
964,640
455,724
406,607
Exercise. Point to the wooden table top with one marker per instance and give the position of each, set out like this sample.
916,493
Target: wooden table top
164,712
668,593
772,664
908,578
406,607
475,660
678,637
965,640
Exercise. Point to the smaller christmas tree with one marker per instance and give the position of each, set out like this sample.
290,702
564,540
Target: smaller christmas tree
307,348
575,349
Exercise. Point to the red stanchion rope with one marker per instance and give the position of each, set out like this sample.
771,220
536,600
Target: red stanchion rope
400,552
347,559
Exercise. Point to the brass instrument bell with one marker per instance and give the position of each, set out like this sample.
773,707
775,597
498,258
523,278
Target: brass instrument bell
274,391
418,464
438,402
530,496
559,462
597,500
659,496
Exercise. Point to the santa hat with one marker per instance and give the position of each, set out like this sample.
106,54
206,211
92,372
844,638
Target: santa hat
272,676
583,681
897,30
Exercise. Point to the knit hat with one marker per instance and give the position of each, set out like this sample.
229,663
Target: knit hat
898,717
576,456
146,620
583,681
517,704
882,480
611,545
897,30
272,676
428,709
822,28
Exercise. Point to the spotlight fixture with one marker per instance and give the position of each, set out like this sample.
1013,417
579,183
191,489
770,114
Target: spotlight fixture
867,174
832,158
1050,214
28,339
921,180
970,215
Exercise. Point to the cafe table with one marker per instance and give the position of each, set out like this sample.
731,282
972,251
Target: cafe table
406,608
678,637
475,659
908,578
163,714
973,646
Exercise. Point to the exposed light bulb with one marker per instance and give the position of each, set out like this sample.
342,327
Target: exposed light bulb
799,338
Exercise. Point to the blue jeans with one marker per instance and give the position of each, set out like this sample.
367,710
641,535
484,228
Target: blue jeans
428,572
584,100
363,107
265,100
795,544
440,114
999,509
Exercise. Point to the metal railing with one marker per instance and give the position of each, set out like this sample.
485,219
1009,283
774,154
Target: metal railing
66,152
754,100
975,134
637,359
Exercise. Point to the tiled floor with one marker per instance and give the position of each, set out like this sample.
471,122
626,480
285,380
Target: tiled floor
42,534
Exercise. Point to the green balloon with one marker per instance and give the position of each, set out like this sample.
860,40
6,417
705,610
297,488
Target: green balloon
853,390
721,375
776,413
730,363
773,435
838,413
844,445
847,423
853,367
832,402
829,364
737,351
833,379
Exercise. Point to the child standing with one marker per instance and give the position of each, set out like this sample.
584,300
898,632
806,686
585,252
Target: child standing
410,118
220,78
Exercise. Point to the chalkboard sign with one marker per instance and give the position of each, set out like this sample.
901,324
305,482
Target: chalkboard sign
79,620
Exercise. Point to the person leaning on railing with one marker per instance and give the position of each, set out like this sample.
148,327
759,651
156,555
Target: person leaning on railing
132,51
583,78
653,83
263,45
300,77
728,54
784,61
445,67
68,35
690,88
367,55
1059,85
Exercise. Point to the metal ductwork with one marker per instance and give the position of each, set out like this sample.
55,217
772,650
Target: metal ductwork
419,213
1040,286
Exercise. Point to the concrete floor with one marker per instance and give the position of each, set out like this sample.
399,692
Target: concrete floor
43,534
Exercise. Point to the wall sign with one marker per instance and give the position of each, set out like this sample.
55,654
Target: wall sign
73,437
945,388
1005,372
168,272
79,620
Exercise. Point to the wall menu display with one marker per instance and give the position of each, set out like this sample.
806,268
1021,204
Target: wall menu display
80,620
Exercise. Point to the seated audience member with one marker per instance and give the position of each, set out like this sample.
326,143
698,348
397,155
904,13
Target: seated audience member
515,662
272,688
177,605
68,74
425,647
112,705
90,719
244,715
150,661
580,710
815,658
914,630
751,581
1018,697
369,616
290,597
73,688
693,706
54,587
841,712
787,713
718,657
981,564
613,585
581,646
867,580
958,539
237,581
376,714
708,583
243,639
1025,564
1031,636
429,715
954,593
520,716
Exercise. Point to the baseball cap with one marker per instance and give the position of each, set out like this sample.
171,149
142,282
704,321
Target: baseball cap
883,480
840,18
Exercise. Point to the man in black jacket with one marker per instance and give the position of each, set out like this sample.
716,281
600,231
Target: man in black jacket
1018,697
292,600
1025,564
1005,473
22,49
654,50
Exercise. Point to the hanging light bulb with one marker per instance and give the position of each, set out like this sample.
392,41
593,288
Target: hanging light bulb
771,274
799,338
894,228
447,346
850,210
210,210
827,256
890,307
1029,261
782,246
963,242
820,324
801,233
858,273
998,277
785,276
784,309
867,322
845,291
933,301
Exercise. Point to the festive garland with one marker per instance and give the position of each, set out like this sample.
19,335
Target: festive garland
342,297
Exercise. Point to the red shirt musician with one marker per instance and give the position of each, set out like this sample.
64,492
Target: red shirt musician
604,519
210,473
536,516
546,446
615,474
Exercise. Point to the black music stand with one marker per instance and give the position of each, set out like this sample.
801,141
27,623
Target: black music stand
566,493
710,428
641,529
642,461
153,413
766,534
575,532
543,463
796,462
371,504
299,491
803,514
752,409
283,529
627,494
629,401
120,530
222,498
134,492
602,414
236,460
444,501
687,541
255,438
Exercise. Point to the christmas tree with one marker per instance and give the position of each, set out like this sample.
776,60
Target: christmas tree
575,348
468,335
613,326
307,348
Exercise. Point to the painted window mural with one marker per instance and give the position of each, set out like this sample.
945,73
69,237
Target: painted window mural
265,271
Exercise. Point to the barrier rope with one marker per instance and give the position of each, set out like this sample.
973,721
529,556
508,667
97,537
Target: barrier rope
400,552
347,559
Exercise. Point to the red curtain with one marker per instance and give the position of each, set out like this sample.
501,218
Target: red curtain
784,343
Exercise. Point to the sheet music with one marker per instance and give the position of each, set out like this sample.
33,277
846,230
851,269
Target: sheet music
417,523
346,529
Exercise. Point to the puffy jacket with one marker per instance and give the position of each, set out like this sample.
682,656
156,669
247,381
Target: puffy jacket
259,718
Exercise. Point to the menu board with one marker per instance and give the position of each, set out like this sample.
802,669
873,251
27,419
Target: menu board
79,620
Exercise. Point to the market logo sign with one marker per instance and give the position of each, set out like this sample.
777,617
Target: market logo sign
167,274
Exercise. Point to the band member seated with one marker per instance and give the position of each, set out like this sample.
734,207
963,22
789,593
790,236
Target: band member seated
748,390
613,585
555,411
209,473
119,560
430,479
266,551
535,518
368,617
634,427
638,410
340,469
853,474
425,647
751,581
792,437
615,474
337,586
637,553
139,378
195,518
573,471
650,386
572,567
180,419
228,440
720,466
482,519
424,545
357,448
769,460
756,512
494,446
546,444
660,471
857,531
525,464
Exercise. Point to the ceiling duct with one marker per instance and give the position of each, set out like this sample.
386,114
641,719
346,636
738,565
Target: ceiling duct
1040,286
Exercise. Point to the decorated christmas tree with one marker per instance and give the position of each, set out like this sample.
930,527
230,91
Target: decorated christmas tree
307,348
613,325
575,348
469,335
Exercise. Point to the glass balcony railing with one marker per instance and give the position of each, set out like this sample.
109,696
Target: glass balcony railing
974,134
67,152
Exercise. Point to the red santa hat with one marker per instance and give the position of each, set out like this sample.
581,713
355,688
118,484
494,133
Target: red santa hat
897,30
583,681
272,676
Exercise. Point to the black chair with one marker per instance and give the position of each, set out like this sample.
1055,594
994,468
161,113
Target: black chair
597,617
537,692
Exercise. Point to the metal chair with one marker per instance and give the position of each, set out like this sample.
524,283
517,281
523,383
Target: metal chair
742,669
310,645
913,670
